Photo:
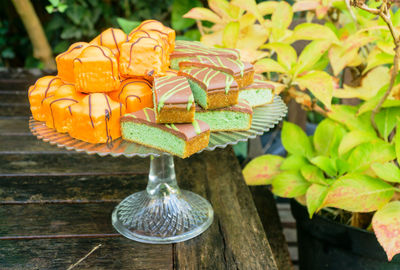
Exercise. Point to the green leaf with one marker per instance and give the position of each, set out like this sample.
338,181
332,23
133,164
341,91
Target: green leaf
397,140
353,139
315,197
367,153
386,225
281,19
310,55
342,166
250,6
312,31
203,14
371,103
346,115
49,9
287,56
262,169
224,9
342,55
126,25
295,140
320,84
327,137
386,120
370,84
377,58
179,8
387,171
313,174
267,7
293,163
62,8
322,63
289,185
231,34
358,193
326,164
192,35
268,65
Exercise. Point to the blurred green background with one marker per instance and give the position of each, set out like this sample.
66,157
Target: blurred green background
68,21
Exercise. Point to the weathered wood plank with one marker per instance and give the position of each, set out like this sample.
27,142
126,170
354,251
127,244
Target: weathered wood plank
14,96
16,165
69,189
114,253
240,223
55,219
268,212
245,245
14,109
208,250
13,127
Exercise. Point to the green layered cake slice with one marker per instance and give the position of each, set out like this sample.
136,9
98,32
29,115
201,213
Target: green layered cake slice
211,88
258,93
233,118
181,140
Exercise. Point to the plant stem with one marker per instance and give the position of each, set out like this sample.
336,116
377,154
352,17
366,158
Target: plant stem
41,47
384,13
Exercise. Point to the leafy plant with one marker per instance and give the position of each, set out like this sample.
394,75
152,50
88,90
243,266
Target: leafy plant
350,165
344,166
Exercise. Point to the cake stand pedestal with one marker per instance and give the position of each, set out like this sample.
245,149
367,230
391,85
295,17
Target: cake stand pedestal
163,213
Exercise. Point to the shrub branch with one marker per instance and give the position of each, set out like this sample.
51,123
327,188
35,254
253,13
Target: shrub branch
384,13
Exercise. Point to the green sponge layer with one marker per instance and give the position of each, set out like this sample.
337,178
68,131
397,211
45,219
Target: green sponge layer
175,62
155,137
256,97
200,96
224,120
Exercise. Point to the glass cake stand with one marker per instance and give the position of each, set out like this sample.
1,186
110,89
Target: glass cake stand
163,213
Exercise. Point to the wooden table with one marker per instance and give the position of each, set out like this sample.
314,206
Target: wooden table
55,206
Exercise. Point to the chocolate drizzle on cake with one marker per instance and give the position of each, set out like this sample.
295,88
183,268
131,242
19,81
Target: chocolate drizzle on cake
69,51
185,48
131,82
57,100
228,65
105,55
134,96
107,115
259,84
47,88
172,90
90,110
108,103
210,79
46,98
115,40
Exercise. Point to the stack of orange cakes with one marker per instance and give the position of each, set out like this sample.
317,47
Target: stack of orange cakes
149,88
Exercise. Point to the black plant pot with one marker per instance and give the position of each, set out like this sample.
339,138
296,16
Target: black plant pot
328,245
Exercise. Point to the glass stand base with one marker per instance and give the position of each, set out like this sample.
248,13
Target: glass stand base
164,219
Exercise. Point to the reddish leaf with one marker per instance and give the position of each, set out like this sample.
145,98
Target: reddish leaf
358,193
260,170
386,225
